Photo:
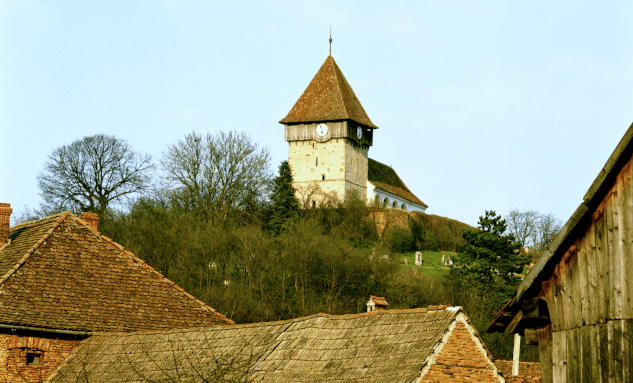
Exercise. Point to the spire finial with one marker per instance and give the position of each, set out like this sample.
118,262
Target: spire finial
330,40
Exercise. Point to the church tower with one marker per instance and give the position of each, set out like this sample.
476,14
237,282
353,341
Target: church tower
329,135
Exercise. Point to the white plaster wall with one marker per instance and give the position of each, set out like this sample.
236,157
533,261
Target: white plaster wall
372,192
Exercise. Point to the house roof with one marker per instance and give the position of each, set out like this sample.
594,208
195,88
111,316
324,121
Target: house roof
381,346
529,372
378,301
573,229
328,97
59,274
385,178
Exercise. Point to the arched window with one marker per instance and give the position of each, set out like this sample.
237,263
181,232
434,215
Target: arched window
385,202
395,204
377,201
403,207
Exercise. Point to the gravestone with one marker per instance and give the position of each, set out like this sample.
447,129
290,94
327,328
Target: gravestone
418,258
406,261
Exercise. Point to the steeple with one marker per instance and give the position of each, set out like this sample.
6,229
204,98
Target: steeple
328,97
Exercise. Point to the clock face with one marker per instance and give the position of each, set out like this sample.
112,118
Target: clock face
359,132
321,130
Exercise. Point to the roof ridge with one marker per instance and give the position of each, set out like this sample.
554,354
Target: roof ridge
417,310
37,244
338,85
38,220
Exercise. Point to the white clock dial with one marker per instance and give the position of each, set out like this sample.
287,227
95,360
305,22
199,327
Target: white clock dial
321,130
359,132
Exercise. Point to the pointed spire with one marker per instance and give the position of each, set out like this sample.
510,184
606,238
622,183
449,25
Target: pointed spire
328,97
330,40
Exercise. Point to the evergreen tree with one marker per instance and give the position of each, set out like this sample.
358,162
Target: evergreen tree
284,201
490,262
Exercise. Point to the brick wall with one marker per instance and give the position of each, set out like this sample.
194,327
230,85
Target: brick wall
461,360
15,350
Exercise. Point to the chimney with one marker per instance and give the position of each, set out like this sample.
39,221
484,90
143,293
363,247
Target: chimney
5,217
376,303
92,219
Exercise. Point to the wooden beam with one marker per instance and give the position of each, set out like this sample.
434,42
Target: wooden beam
514,323
531,337
516,354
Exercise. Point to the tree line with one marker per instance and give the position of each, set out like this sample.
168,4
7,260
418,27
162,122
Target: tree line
214,218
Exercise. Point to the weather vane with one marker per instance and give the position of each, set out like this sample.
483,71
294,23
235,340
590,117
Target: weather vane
330,40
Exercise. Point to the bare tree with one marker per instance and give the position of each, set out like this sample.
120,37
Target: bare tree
533,229
522,225
546,228
92,173
215,175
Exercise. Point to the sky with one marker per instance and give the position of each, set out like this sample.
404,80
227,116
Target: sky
487,105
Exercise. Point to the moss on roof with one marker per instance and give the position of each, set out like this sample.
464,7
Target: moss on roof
386,346
385,178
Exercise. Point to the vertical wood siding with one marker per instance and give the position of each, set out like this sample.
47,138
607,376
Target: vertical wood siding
340,129
590,295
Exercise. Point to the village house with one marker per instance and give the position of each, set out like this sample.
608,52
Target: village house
329,135
434,344
61,281
577,301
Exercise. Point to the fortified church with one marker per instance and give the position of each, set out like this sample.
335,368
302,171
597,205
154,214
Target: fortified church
329,135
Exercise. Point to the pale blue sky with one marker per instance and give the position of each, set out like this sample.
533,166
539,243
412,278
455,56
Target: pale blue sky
481,105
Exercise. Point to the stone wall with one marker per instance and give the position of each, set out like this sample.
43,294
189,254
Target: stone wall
385,218
30,358
337,166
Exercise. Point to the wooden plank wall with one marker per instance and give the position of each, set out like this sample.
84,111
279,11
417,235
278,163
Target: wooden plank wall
600,353
590,295
339,129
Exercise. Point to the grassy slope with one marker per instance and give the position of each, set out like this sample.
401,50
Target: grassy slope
432,262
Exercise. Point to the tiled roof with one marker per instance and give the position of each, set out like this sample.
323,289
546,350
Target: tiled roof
58,273
329,97
382,346
528,372
385,178
380,301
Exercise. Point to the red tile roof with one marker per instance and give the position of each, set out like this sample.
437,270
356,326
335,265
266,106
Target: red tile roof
58,273
385,178
528,372
378,301
328,97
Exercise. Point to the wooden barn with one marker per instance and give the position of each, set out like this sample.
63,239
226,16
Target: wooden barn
577,301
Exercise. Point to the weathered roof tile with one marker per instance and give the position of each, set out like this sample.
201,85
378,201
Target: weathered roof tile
328,97
377,348
58,273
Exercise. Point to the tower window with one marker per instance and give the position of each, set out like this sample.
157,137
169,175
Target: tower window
323,177
317,161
